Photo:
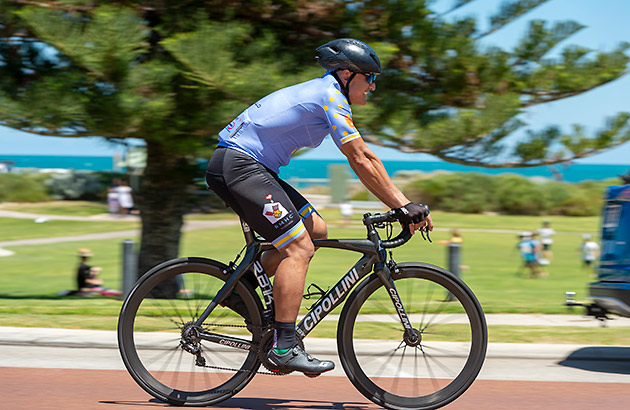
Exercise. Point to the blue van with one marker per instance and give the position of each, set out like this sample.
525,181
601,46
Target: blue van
611,293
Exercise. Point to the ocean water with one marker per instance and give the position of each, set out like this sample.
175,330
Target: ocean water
311,170
61,162
318,169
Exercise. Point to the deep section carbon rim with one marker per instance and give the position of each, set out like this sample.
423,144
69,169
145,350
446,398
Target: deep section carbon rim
426,369
161,310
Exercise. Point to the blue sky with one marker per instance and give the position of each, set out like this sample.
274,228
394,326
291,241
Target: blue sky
607,25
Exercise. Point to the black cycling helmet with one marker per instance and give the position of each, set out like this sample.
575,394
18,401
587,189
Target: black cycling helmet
349,53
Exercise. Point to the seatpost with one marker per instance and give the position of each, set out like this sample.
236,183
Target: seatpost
250,238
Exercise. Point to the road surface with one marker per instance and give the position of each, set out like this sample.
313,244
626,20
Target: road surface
78,369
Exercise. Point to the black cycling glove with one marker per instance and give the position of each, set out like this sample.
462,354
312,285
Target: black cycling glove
412,213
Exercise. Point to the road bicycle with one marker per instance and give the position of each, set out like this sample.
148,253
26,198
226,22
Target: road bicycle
409,336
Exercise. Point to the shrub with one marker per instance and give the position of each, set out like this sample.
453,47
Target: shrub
507,193
517,195
75,185
462,192
23,188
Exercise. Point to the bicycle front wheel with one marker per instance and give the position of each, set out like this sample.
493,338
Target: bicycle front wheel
159,314
423,370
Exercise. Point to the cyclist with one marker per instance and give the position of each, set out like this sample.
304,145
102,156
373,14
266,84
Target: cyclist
244,168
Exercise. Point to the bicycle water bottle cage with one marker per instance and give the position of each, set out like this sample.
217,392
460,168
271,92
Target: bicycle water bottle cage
319,292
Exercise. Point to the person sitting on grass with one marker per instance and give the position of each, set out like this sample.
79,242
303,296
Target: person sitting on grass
88,279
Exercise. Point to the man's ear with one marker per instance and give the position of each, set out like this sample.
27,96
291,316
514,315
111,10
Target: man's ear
344,74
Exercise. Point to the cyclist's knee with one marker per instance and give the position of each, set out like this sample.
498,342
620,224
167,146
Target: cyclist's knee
299,248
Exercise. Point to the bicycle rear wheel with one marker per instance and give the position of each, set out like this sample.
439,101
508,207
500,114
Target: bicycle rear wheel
399,372
160,312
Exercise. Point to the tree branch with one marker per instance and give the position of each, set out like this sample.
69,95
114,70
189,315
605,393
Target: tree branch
553,96
516,164
512,14
57,5
457,5
199,76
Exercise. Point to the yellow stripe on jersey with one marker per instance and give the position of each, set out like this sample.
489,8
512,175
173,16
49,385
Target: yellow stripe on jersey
350,137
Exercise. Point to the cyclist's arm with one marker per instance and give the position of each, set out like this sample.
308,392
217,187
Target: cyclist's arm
373,175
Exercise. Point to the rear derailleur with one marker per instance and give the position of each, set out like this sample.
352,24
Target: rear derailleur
191,342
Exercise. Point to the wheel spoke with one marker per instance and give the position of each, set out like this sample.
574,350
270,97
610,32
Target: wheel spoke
196,372
415,373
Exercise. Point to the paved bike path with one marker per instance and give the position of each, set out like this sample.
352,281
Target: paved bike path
79,389
98,350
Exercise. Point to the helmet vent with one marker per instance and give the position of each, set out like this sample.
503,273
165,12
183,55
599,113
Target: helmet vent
353,54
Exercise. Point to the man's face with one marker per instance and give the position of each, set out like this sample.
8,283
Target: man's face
359,88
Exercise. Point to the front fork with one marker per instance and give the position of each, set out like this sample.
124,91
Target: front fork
384,272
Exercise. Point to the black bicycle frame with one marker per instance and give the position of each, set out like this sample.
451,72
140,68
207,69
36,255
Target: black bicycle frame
373,256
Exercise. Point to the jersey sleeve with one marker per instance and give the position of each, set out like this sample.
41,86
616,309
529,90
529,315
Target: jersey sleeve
339,117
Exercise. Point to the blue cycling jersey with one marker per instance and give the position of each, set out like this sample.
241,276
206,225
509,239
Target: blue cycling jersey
271,130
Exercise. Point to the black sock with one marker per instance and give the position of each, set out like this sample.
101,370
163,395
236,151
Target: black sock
284,336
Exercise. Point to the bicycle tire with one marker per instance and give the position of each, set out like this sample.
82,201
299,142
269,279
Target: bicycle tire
150,329
395,373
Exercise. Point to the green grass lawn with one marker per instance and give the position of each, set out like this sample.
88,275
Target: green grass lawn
16,229
31,279
74,208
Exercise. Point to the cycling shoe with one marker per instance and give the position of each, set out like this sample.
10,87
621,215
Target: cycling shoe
296,359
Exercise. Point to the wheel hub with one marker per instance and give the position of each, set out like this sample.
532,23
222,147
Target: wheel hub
413,338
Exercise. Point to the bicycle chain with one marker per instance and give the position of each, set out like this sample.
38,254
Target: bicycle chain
245,371
240,370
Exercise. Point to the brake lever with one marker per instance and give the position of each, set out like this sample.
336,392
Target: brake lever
422,231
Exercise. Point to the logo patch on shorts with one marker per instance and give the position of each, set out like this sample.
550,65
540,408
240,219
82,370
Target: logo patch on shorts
274,211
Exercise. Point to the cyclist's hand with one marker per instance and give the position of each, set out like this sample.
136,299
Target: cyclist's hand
416,216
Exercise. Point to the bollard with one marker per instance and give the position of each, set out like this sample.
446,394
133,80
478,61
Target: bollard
453,263
129,266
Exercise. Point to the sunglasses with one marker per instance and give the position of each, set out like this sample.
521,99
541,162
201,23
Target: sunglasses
370,78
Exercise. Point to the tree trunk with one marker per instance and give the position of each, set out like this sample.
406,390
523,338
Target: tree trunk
162,201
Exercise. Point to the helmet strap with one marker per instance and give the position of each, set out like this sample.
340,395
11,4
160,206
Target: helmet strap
345,88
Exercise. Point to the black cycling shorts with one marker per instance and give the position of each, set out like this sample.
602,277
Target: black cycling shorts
270,206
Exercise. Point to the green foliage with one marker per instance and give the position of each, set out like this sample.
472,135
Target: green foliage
519,196
107,44
176,73
23,188
508,194
466,192
75,185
